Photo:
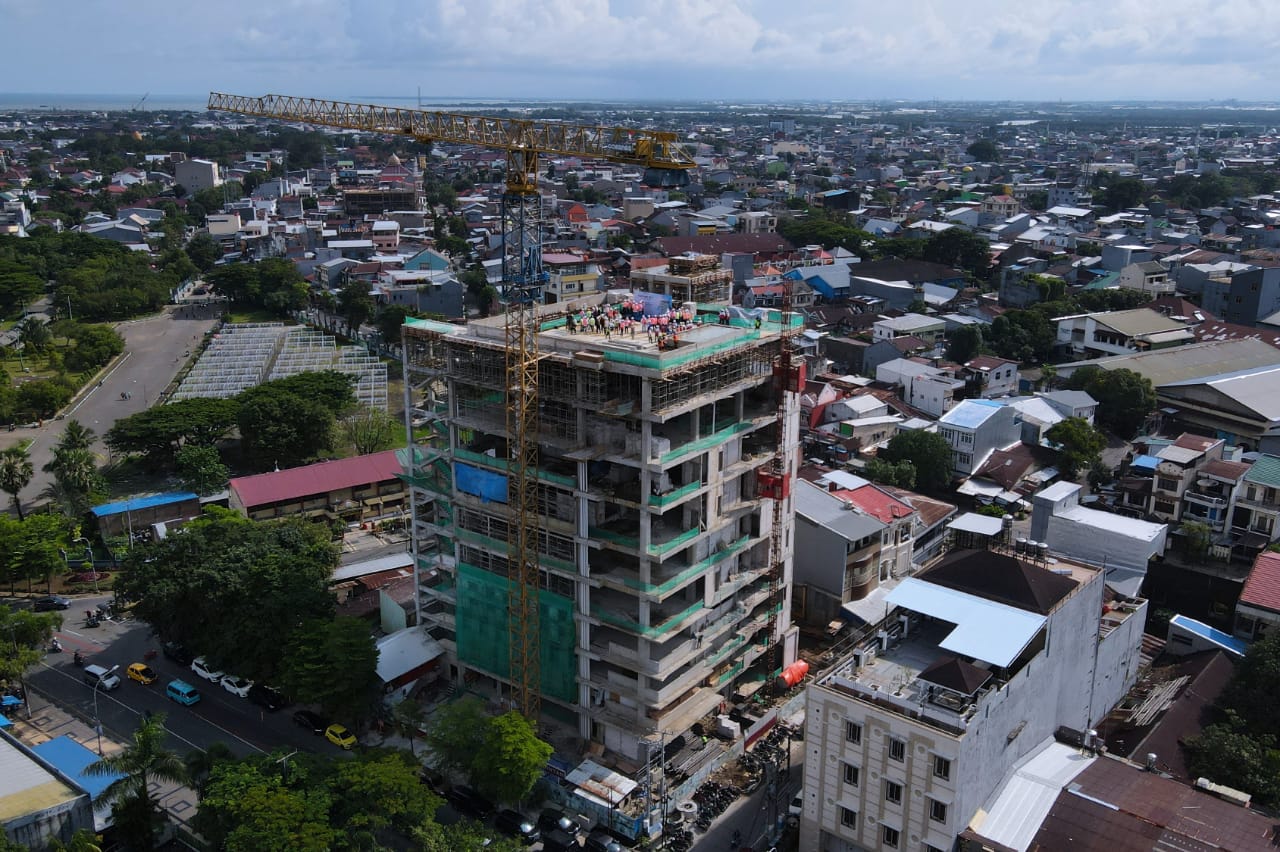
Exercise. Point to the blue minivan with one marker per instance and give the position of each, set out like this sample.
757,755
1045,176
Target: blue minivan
182,692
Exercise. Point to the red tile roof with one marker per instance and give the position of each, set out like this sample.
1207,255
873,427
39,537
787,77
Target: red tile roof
989,362
874,501
1262,588
319,478
1188,441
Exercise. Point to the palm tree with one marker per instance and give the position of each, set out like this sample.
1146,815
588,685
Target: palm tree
139,764
77,480
200,764
33,334
16,471
76,436
410,718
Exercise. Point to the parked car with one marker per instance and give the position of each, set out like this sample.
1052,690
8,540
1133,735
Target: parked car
553,820
515,824
601,841
237,686
560,841
470,802
312,722
142,673
206,671
267,698
797,805
340,736
50,603
177,653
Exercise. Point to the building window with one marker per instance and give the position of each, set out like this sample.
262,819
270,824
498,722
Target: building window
890,837
941,767
853,732
897,750
893,792
929,847
937,810
965,459
848,818
1164,507
1167,484
851,775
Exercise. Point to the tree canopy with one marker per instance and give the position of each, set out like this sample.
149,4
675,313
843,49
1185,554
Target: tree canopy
232,588
274,284
500,755
160,431
1081,445
1027,337
929,452
961,249
1125,398
332,663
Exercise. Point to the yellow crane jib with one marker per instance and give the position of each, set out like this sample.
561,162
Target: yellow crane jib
665,161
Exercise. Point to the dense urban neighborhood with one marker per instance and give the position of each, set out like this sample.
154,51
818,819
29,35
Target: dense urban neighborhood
849,476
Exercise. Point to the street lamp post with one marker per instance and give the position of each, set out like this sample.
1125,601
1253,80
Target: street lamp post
97,722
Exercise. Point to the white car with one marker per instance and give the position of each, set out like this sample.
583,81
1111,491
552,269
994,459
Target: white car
200,667
237,686
796,806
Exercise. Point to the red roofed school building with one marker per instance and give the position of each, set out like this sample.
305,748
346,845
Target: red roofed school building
356,489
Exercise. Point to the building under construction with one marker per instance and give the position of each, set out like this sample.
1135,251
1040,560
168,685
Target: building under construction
656,443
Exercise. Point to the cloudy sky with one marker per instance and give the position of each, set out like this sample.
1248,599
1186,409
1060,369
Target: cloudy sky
659,49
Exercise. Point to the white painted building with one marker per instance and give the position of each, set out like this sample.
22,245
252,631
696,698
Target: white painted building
979,660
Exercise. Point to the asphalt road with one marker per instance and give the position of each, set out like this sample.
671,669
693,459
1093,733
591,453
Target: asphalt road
219,716
155,350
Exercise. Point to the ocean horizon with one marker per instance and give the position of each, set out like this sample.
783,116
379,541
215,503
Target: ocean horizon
103,102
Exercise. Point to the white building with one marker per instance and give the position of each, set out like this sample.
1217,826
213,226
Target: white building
1124,546
975,428
979,660
195,175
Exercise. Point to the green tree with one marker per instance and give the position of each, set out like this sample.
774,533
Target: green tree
234,587
34,335
247,808
928,451
159,432
1196,538
456,735
961,249
201,763
984,151
389,321
281,287
1125,398
333,664
964,343
377,791
25,635
1081,445
201,469
281,429
355,305
83,840
901,474
1254,690
43,397
1027,337
204,251
328,387
76,436
77,483
369,430
511,760
16,471
1227,754
1123,193
143,762
410,720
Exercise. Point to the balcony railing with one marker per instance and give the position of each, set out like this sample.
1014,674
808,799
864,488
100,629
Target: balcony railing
1205,500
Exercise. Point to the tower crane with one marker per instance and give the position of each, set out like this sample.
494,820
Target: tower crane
666,164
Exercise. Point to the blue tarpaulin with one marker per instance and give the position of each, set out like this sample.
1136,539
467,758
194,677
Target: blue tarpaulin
478,482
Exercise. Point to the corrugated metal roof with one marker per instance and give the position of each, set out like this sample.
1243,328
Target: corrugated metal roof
1262,588
320,478
138,503
985,630
1014,814
70,758
1265,471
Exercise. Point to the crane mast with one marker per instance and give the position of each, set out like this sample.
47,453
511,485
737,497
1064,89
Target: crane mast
524,141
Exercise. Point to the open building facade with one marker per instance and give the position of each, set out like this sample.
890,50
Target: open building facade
655,511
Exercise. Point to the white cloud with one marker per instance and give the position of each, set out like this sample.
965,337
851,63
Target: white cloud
1089,49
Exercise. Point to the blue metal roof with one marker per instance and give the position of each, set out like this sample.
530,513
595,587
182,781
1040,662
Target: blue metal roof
70,758
1198,628
138,503
1145,462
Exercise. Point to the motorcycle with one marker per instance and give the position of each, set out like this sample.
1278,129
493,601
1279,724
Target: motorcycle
78,659
92,621
55,647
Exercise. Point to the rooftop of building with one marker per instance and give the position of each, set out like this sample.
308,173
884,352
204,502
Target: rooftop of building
1265,470
320,478
1255,388
1189,362
971,413
955,632
1262,587
689,334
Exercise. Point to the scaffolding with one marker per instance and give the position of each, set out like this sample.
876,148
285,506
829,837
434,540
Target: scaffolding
709,376
244,355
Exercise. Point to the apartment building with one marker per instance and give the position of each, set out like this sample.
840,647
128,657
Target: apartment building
979,660
1120,332
975,428
195,175
570,275
1176,475
1256,518
656,507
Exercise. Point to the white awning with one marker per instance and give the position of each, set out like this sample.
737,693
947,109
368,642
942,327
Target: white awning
979,488
972,522
405,650
985,630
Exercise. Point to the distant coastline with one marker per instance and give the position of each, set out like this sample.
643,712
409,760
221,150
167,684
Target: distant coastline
55,101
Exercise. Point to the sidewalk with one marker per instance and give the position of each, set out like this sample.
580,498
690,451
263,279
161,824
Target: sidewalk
49,721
